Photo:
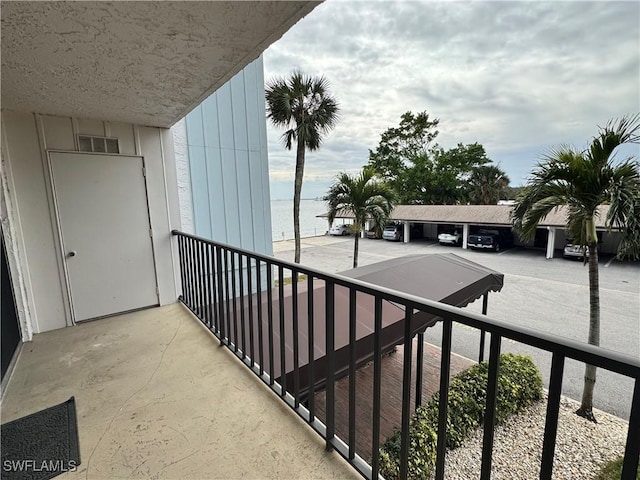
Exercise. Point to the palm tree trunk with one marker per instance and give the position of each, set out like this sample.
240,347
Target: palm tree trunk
586,407
297,191
355,249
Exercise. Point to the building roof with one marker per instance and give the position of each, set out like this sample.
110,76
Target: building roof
146,63
475,214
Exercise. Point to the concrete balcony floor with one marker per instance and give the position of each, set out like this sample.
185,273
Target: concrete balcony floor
157,397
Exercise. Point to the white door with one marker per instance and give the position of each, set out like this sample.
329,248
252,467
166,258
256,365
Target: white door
101,202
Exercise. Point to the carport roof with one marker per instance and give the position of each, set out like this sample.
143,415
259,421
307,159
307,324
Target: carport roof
475,214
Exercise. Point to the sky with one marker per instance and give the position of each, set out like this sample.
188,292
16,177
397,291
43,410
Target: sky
517,77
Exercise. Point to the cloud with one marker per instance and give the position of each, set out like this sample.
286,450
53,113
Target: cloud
518,77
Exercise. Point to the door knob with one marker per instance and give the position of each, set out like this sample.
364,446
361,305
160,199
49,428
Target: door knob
72,253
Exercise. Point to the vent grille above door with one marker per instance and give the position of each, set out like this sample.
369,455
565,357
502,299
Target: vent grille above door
88,143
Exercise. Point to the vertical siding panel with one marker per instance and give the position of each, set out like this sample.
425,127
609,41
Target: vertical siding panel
124,133
34,219
195,134
210,121
232,209
244,192
88,126
58,133
253,92
197,162
217,204
239,117
257,202
225,117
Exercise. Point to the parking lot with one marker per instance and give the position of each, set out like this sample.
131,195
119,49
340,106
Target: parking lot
548,295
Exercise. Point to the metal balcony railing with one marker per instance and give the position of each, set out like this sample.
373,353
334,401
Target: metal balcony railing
274,330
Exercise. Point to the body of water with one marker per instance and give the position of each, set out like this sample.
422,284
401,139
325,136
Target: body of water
310,225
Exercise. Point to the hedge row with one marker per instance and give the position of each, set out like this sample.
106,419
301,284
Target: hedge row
519,385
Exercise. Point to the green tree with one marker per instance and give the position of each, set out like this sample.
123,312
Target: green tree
367,197
583,180
400,148
419,170
487,185
303,106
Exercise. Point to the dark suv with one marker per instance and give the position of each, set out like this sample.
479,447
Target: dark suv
491,239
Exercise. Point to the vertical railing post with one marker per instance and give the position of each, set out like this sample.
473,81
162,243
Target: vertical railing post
250,311
283,351
419,369
260,326
234,300
272,373
182,255
406,393
243,328
218,275
551,422
377,380
331,364
352,373
632,447
208,299
311,347
443,405
296,352
490,412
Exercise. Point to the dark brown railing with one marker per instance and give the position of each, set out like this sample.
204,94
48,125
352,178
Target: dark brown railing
235,295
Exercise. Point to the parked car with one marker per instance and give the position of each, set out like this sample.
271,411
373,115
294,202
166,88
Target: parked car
339,230
572,250
491,239
373,233
450,238
394,233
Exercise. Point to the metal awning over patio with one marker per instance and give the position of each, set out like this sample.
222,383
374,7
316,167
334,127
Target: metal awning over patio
446,278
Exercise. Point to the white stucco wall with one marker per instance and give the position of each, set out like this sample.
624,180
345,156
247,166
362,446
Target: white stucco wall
183,175
30,216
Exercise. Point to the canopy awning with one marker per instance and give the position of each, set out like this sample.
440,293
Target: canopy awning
446,278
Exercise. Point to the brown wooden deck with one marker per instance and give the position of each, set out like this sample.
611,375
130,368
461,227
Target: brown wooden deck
391,395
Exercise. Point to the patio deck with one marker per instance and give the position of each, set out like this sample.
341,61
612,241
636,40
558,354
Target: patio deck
156,397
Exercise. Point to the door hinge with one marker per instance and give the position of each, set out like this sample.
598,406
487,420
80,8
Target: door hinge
151,232
144,172
158,291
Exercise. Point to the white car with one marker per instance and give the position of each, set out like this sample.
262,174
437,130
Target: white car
339,230
572,250
450,238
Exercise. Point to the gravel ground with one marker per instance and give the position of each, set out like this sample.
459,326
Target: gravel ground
582,447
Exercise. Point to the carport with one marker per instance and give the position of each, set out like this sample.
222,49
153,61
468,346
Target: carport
550,235
445,278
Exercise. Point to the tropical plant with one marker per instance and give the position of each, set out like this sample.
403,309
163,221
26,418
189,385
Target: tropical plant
487,185
365,196
582,181
419,171
304,106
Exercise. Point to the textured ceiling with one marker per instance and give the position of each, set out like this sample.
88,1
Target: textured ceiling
148,63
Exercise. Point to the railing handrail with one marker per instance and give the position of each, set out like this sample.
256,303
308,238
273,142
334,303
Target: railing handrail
600,357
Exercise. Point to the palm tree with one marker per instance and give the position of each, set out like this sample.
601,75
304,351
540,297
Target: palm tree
304,106
366,197
583,180
487,184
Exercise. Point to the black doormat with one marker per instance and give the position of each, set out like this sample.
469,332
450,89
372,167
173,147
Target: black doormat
41,445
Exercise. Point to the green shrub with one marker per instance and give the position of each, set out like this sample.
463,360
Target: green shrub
612,470
519,385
